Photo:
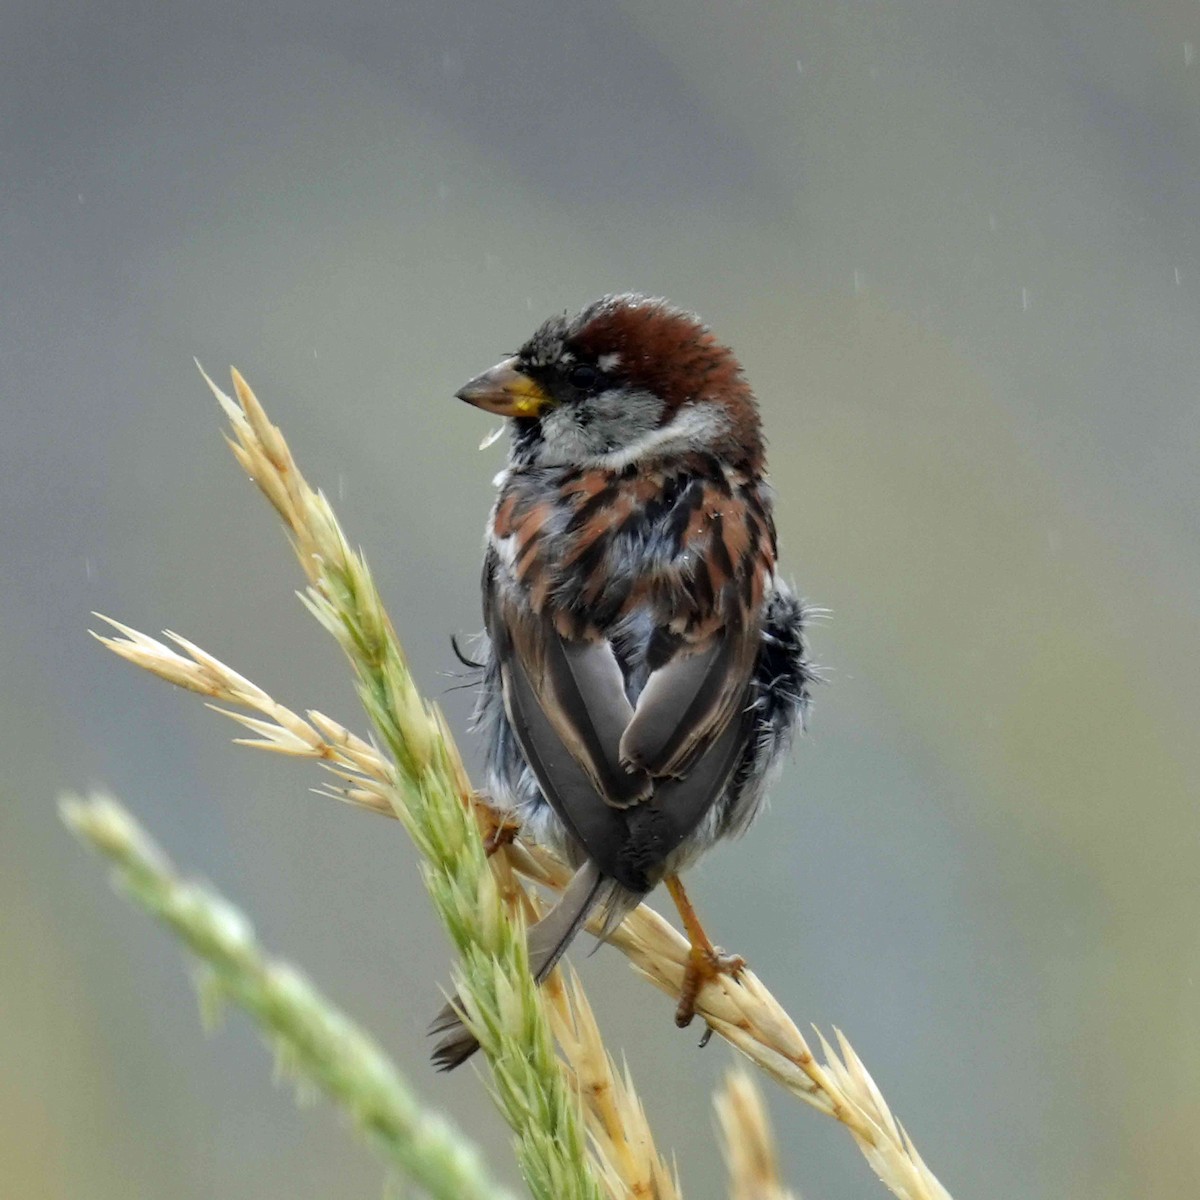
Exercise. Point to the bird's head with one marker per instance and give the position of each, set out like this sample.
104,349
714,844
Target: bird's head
629,380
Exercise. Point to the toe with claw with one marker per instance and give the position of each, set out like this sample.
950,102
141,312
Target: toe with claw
705,964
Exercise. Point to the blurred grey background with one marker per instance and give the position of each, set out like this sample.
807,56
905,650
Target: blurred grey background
957,246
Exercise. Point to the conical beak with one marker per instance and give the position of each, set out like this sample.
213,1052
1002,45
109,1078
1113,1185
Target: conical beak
505,391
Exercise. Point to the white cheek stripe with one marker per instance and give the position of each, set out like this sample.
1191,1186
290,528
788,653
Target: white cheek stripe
694,427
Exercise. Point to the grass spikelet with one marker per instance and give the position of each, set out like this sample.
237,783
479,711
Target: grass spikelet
747,1142
628,1163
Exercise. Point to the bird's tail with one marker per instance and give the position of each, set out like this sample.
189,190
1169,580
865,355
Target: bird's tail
547,940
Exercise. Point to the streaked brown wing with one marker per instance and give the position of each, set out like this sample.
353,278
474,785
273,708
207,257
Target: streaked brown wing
703,668
592,751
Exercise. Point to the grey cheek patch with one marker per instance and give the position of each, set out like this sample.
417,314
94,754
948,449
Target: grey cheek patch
578,433
693,427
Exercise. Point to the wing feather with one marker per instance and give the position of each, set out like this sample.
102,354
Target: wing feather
599,828
658,828
689,701
588,706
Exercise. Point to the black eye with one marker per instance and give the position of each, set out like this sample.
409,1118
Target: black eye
583,377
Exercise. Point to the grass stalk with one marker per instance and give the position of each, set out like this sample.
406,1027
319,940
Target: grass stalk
314,1043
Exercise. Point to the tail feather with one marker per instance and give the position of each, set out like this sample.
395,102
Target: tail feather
547,941
615,905
550,937
459,1043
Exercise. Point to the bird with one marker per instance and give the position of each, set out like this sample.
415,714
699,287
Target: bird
645,666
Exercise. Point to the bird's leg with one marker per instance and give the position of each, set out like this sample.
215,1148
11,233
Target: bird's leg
501,827
705,961
502,834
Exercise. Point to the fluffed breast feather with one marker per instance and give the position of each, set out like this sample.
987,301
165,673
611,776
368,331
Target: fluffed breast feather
690,542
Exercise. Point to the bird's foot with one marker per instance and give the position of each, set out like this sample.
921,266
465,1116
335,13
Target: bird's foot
704,966
502,833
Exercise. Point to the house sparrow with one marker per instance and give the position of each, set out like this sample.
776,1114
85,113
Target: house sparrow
646,668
